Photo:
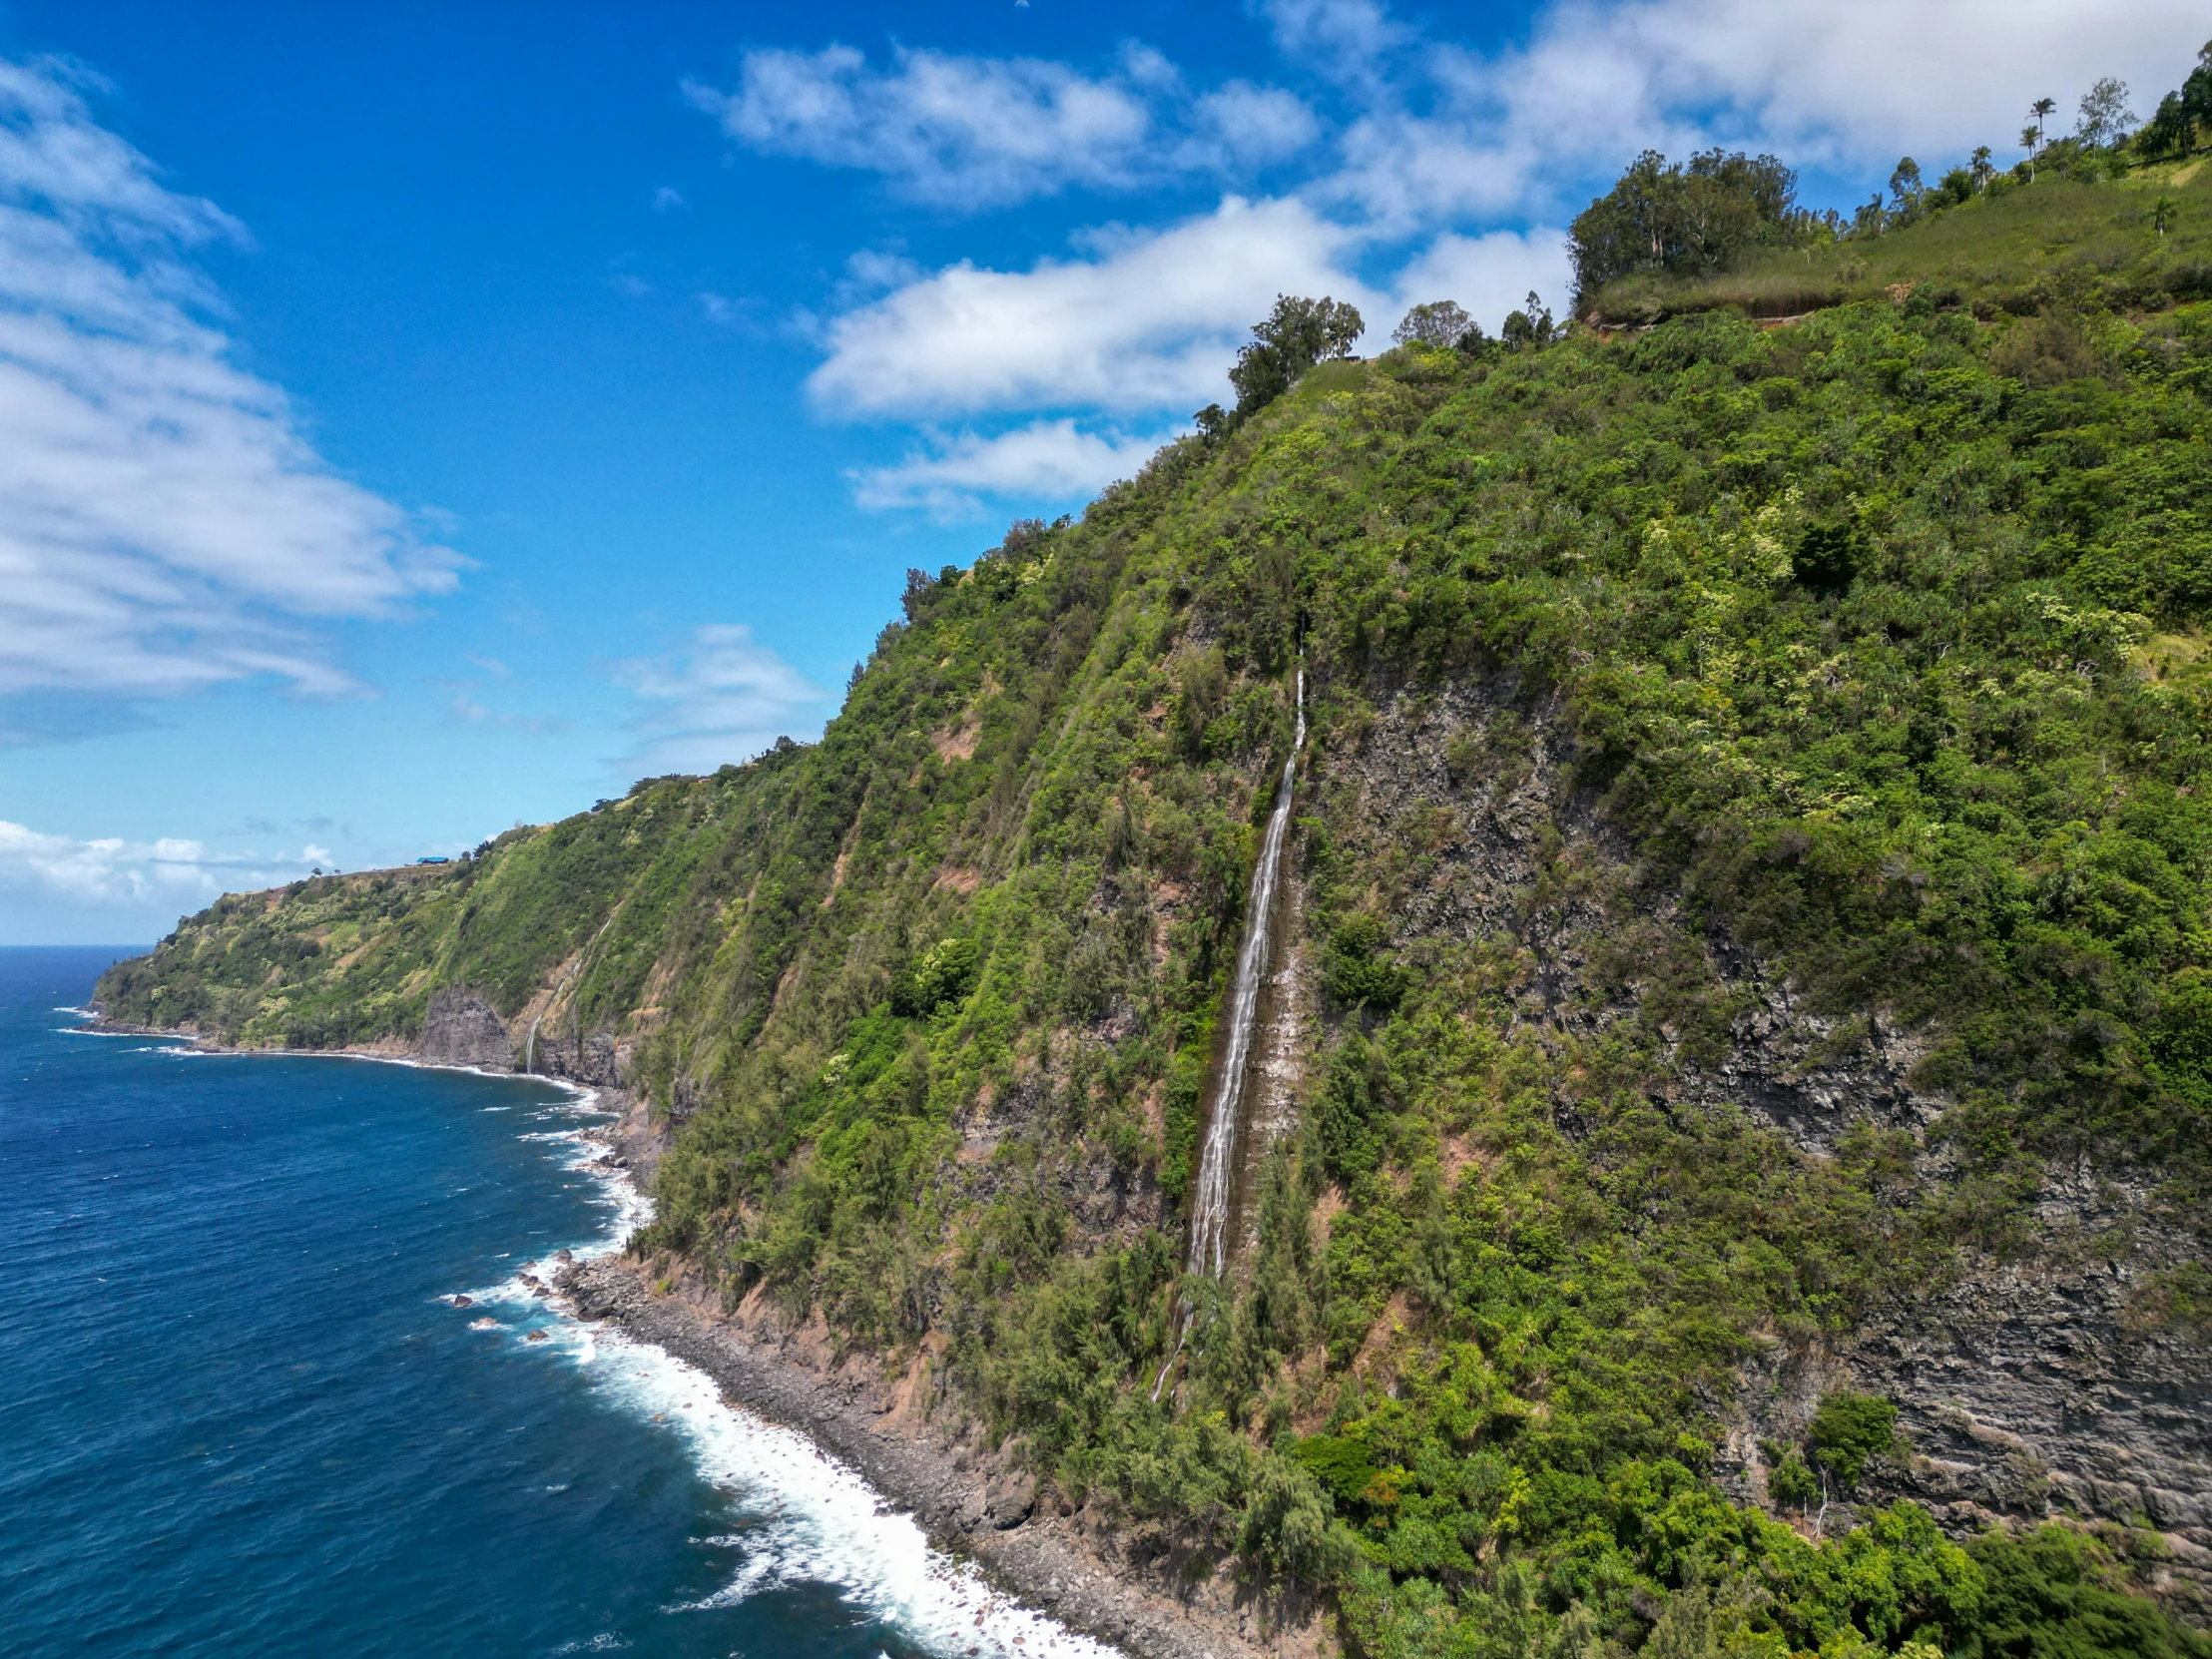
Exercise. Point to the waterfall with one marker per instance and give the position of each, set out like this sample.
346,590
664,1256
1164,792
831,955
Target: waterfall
1217,1163
530,1050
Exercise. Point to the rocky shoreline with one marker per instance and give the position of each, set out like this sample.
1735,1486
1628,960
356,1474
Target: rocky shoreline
1073,1565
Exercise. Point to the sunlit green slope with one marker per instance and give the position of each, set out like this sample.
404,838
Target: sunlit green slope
1675,698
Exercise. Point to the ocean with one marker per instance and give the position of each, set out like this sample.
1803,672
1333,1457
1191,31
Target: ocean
239,1417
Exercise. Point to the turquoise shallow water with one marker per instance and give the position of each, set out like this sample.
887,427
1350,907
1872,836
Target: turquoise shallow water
238,1418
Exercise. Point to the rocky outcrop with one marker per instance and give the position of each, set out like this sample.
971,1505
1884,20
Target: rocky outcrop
2029,1388
2032,1390
460,1029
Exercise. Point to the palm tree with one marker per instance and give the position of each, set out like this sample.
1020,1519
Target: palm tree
2162,213
2040,110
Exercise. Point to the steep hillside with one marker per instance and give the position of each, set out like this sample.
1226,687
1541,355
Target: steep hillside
1726,1162
2016,250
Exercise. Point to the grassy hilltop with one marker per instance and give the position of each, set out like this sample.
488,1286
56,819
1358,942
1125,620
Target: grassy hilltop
1832,696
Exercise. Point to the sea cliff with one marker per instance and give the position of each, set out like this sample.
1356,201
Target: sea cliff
1729,1140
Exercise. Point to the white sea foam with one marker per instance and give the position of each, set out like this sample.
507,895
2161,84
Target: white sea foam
95,1031
815,1520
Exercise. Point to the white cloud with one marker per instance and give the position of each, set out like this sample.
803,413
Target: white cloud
973,132
1239,126
724,698
1343,39
666,199
164,526
1150,323
1488,275
1863,81
1465,135
111,871
1044,461
1448,165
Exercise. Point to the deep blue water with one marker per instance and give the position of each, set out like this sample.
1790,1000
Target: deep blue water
237,1419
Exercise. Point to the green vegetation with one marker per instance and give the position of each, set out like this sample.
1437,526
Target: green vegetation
1688,218
1297,335
1849,1430
2087,213
1874,644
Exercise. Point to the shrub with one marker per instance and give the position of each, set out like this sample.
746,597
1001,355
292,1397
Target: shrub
1849,1430
943,974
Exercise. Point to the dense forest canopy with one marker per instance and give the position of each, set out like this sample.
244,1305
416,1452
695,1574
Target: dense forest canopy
1685,218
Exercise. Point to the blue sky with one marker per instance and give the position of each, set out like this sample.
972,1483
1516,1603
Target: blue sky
417,418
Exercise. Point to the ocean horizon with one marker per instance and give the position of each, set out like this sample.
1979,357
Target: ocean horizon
247,1417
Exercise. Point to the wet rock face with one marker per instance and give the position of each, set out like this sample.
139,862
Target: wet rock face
590,1057
460,1029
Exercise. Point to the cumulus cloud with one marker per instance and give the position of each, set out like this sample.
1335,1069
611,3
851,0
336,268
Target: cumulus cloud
164,525
113,871
1487,274
975,132
1344,39
723,697
1046,461
1239,126
1441,172
1149,322
1463,134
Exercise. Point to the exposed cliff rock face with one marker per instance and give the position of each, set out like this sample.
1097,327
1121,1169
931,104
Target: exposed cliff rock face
2031,1388
460,1029
594,1058
2028,1387
2024,1393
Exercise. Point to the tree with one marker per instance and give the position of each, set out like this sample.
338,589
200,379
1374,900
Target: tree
2039,112
1439,322
2162,213
2168,132
1289,1527
1906,189
2105,118
1849,1430
2173,130
1529,326
1686,218
1791,1483
1983,170
1297,335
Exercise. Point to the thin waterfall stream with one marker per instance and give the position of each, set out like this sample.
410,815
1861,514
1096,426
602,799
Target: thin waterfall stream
1217,1165
530,1049
1218,1160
